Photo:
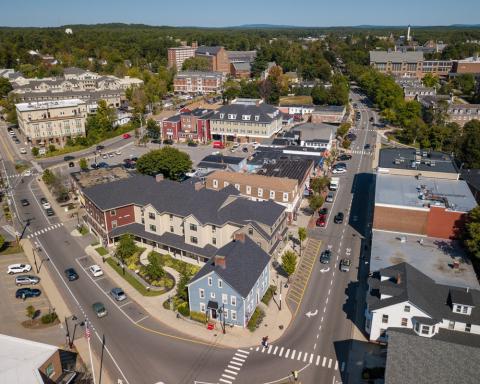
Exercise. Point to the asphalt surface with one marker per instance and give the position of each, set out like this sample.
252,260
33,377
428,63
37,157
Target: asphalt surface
140,350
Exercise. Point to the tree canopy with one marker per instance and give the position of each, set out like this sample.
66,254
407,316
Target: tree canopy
196,64
169,161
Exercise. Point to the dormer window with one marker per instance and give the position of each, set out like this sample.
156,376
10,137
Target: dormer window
257,118
245,117
222,115
232,116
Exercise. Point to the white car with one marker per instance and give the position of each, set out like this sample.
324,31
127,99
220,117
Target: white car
46,205
18,268
111,154
118,153
23,151
27,173
105,156
95,270
339,170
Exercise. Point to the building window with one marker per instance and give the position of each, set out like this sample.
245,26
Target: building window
224,298
151,215
451,325
214,241
171,217
233,301
209,281
285,196
225,184
215,183
249,190
220,283
458,308
404,322
233,314
417,327
272,195
201,293
193,240
250,231
171,229
202,307
406,308
153,228
214,228
465,309
384,319
113,212
225,313
50,371
260,192
237,186
212,295
468,327
425,330
114,224
193,227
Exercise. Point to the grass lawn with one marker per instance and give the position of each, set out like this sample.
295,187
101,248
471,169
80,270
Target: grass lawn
131,280
101,251
83,230
10,248
169,261
292,100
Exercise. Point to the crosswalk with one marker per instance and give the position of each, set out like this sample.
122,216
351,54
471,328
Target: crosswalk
45,230
234,366
305,357
361,152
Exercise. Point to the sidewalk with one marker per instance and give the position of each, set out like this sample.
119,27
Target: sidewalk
274,324
62,310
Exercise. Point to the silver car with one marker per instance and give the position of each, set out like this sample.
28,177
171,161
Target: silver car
27,280
118,294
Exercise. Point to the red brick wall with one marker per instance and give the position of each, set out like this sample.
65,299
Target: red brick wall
442,223
400,220
174,126
94,212
123,216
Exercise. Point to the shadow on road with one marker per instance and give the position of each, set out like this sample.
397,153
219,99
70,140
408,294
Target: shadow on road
363,190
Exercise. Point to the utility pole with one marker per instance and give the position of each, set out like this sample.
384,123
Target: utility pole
280,295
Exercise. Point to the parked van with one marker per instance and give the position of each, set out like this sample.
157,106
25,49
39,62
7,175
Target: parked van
218,144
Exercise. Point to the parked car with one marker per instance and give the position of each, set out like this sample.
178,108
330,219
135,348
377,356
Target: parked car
95,270
339,170
168,142
25,202
340,165
45,203
24,293
345,265
18,268
102,165
100,147
330,197
126,136
50,212
323,211
94,165
372,119
344,157
71,164
105,156
245,149
71,274
99,309
118,294
118,152
218,144
156,141
367,146
27,280
68,158
338,219
23,151
325,256
192,144
321,222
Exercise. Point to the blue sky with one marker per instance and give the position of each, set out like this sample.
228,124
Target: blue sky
217,13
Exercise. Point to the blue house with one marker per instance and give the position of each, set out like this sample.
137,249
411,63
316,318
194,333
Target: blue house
231,283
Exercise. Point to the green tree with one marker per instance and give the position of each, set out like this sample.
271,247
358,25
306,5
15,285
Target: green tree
83,164
182,289
196,64
338,92
31,312
35,151
472,232
430,81
343,129
346,144
465,83
2,242
289,262
319,95
5,87
102,121
153,129
49,177
125,248
315,201
168,161
302,235
154,268
318,184
468,150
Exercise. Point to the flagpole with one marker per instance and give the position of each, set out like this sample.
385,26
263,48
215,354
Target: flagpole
90,351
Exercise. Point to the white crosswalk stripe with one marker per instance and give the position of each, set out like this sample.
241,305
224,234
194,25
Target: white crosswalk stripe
281,352
234,366
336,365
225,381
45,230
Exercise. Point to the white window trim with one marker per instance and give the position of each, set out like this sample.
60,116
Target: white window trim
220,283
224,298
201,293
233,301
209,281
233,314
212,295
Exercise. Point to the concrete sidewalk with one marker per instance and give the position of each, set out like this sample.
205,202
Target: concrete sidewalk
274,324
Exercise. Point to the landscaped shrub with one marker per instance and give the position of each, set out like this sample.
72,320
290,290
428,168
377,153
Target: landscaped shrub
269,294
166,304
101,251
198,316
256,319
49,318
183,309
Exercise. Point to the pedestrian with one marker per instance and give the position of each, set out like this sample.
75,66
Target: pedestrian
295,375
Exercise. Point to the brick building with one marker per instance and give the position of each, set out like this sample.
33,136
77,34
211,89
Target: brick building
177,55
332,114
198,82
189,125
463,113
216,56
469,65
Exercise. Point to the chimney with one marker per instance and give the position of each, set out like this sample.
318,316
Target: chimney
159,177
399,279
239,237
220,261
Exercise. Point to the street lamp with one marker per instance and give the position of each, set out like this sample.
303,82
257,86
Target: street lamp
221,312
77,323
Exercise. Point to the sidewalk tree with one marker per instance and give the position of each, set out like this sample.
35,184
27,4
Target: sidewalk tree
302,235
35,151
2,242
346,144
153,129
182,290
125,248
315,201
289,262
168,161
343,129
31,311
48,177
83,164
318,184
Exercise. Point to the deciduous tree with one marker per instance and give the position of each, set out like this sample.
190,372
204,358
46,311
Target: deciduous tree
289,262
168,161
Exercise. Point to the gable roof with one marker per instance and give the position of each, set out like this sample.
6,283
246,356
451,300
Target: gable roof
266,113
204,50
245,262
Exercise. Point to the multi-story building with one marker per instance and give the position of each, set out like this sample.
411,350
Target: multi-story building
188,126
52,122
469,65
315,135
401,296
241,56
333,114
246,119
198,82
463,113
182,219
437,67
282,190
217,58
241,70
177,55
418,92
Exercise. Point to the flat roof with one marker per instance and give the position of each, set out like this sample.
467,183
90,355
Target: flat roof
429,255
315,132
32,106
403,158
86,179
408,191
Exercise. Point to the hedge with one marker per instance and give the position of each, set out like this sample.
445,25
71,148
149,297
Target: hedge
101,251
256,319
198,316
269,294
183,309
49,318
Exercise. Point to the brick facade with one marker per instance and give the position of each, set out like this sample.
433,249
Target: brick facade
119,217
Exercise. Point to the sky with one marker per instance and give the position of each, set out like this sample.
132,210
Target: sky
218,13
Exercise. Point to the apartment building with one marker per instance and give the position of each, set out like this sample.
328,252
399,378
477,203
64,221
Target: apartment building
217,58
245,119
177,55
198,82
182,219
188,126
463,113
282,190
52,122
418,92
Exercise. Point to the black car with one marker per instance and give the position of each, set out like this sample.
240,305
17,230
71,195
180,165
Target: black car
245,149
323,211
68,158
168,142
338,219
24,293
71,274
94,166
372,119
367,146
156,141
102,165
134,158
99,147
25,202
192,144
71,164
326,256
344,157
50,212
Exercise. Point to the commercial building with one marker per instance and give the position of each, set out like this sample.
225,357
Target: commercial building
316,136
463,113
198,82
188,126
217,58
401,296
52,122
297,110
181,219
177,55
246,119
470,65
212,163
282,190
333,114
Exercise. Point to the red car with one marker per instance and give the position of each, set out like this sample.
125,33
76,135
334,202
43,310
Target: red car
126,135
321,221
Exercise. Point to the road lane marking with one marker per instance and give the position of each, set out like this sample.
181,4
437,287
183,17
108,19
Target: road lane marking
281,352
318,360
240,355
326,302
275,350
242,351
143,318
233,367
324,361
293,354
311,358
342,367
123,305
230,372
256,349
225,381
321,320
236,363
330,363
238,359
299,356
315,346
336,365
269,349
287,353
305,357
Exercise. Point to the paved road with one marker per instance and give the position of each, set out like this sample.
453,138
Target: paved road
141,350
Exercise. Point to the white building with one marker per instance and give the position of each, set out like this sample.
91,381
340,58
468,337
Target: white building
401,296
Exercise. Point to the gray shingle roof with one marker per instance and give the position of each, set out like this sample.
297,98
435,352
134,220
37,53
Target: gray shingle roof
182,199
245,261
267,113
420,290
449,357
204,50
396,57
315,132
